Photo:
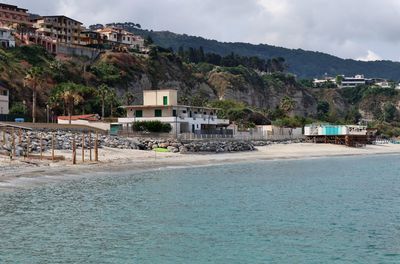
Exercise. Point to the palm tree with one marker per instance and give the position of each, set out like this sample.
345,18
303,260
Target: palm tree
112,97
103,92
129,98
34,80
71,94
287,104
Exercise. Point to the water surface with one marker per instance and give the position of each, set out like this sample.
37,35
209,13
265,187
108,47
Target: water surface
336,210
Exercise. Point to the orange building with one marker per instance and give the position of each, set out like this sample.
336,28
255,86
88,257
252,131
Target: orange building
11,15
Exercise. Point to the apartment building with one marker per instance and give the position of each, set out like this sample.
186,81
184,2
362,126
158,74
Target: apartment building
7,39
11,15
162,105
60,29
118,36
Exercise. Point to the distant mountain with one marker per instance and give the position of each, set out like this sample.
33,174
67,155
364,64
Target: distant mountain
305,64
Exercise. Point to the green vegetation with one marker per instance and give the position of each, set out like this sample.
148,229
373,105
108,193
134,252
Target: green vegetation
304,64
152,127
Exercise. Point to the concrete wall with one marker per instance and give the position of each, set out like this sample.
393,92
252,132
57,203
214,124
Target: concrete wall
155,97
98,125
74,50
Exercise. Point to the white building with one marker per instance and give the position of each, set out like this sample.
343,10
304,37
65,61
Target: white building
351,82
120,36
162,105
4,101
7,39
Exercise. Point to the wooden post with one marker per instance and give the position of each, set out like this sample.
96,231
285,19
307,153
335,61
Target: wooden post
83,147
96,147
13,143
90,145
4,136
41,146
52,147
73,150
20,136
28,142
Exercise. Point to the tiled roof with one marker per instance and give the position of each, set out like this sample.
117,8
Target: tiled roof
91,117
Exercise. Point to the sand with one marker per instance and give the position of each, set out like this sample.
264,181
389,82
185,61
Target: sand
112,160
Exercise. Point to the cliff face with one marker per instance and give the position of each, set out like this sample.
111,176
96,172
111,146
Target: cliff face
198,84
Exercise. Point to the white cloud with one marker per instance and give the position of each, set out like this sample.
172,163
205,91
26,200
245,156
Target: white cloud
346,28
371,56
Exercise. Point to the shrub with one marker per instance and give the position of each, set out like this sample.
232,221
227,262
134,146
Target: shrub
152,127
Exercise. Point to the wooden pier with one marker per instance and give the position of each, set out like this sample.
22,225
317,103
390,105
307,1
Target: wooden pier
355,141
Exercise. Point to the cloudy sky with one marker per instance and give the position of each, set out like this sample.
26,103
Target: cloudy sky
358,29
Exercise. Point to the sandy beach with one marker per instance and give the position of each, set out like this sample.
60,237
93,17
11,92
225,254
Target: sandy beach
112,160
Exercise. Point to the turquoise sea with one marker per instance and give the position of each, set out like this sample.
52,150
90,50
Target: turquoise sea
333,210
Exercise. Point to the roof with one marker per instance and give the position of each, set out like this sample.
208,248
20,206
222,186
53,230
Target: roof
160,90
41,17
166,106
14,7
91,117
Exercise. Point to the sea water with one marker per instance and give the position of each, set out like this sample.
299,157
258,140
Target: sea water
334,210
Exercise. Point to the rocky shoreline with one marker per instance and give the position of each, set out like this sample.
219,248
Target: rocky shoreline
63,141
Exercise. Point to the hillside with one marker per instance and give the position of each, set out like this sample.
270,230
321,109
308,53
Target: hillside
244,94
305,64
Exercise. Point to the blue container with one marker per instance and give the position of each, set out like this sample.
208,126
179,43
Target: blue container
19,120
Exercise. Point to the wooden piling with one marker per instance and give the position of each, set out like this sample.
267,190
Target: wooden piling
73,150
41,146
83,147
28,142
52,147
96,147
13,143
19,136
90,145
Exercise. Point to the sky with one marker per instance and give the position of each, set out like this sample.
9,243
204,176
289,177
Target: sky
357,29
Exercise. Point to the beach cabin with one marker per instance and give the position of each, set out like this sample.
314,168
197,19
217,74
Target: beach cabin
349,135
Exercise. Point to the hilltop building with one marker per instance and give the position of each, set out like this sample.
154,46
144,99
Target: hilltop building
4,100
7,39
11,15
162,105
60,29
117,36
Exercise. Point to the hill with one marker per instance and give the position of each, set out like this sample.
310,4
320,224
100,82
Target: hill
305,64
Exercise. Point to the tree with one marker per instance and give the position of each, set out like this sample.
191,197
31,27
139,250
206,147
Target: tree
103,92
129,98
112,97
287,104
18,108
322,110
71,94
34,80
389,112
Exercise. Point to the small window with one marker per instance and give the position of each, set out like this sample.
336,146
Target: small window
165,100
158,113
184,111
174,112
139,113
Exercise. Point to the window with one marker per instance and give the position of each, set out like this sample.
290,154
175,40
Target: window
139,113
158,113
165,100
174,112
